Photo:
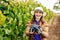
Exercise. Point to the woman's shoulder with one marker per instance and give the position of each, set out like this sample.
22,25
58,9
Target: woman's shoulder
29,22
45,24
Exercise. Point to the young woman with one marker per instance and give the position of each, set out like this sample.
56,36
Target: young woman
38,20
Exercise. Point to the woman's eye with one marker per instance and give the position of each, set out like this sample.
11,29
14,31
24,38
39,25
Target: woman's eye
40,12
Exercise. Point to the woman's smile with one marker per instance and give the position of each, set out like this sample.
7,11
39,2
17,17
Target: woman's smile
38,14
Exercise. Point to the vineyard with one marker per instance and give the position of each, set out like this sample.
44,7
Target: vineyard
14,15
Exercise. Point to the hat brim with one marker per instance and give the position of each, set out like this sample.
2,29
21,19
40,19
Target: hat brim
44,13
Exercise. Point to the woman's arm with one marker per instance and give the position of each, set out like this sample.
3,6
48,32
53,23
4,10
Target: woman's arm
28,28
45,30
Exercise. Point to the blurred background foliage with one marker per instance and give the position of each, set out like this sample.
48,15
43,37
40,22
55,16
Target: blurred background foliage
14,15
57,5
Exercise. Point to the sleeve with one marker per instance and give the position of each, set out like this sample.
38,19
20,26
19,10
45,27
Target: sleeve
45,30
28,28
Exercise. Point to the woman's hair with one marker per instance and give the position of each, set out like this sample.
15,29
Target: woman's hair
41,19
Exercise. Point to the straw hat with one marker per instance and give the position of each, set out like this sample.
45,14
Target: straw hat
40,9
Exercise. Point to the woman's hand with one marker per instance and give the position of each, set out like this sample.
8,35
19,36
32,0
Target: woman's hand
31,32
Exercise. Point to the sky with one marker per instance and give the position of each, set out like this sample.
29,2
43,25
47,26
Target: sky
48,4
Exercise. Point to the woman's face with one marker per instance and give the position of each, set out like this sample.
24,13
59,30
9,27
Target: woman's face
38,14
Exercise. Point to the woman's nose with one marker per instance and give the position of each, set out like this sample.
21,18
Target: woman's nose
38,13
